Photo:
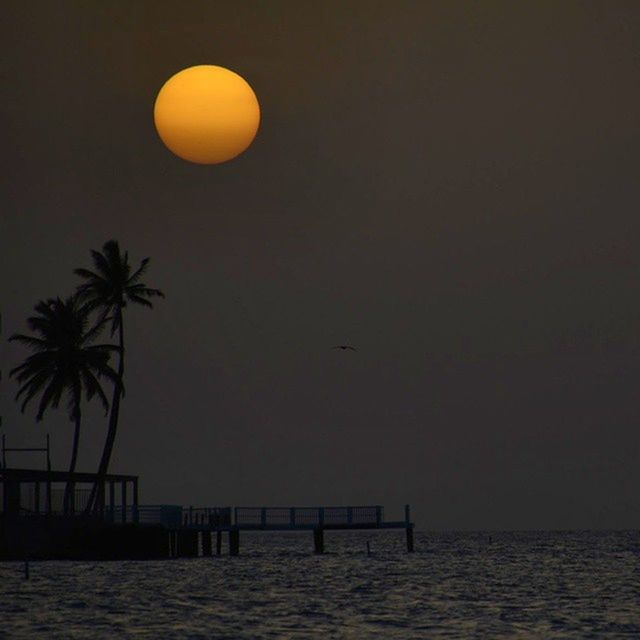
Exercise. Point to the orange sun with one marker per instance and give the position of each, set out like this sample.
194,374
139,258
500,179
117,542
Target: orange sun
206,114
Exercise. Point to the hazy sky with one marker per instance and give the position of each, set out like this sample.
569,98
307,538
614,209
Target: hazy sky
452,187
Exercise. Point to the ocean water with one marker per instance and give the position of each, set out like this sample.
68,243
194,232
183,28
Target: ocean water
456,585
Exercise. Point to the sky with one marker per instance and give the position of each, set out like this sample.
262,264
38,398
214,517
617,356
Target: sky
451,187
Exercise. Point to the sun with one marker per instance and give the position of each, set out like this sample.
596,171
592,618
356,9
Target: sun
206,114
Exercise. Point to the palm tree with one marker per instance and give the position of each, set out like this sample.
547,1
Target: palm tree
109,289
64,363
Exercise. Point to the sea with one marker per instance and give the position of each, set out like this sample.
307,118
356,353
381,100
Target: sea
520,584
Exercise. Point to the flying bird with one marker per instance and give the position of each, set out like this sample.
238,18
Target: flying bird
344,347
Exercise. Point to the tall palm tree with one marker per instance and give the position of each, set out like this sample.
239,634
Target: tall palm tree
109,289
65,362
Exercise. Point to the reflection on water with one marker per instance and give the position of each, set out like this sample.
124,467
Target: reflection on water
521,584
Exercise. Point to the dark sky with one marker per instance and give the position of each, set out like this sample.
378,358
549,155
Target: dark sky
450,186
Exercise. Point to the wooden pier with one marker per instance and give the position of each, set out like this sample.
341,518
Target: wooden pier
197,526
34,522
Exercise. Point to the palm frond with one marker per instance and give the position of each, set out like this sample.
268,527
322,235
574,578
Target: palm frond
141,289
74,397
115,322
140,300
57,396
29,341
93,388
107,348
31,388
35,362
87,274
101,264
111,250
140,271
52,389
95,331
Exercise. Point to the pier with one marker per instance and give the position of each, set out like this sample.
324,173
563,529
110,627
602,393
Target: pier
36,522
197,525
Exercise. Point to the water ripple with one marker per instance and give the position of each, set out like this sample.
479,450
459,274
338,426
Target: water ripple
480,585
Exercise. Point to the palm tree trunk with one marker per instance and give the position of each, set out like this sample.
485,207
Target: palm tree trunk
96,499
70,488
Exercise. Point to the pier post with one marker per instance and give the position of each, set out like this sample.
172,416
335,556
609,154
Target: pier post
49,507
11,498
71,507
187,543
206,543
234,542
409,539
318,540
409,527
100,499
112,501
218,542
135,501
123,489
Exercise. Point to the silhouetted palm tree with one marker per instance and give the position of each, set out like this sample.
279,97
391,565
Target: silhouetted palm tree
109,289
64,363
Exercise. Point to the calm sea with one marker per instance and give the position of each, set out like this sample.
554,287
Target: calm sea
456,585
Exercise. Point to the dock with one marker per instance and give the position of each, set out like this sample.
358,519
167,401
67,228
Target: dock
36,523
197,525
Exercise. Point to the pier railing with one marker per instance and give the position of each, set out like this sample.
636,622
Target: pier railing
177,517
301,517
172,516
206,516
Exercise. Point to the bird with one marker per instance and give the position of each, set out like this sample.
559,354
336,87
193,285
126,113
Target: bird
344,347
